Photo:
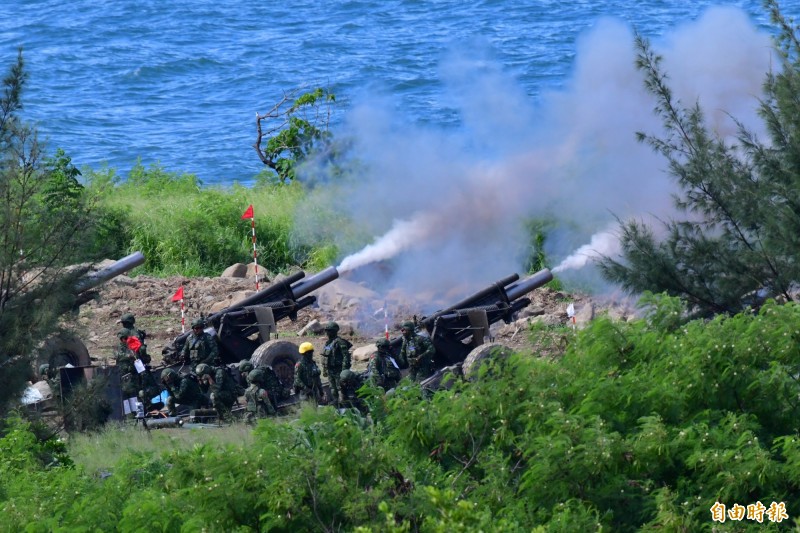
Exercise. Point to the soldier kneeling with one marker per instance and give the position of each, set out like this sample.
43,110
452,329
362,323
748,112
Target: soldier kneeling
258,400
182,390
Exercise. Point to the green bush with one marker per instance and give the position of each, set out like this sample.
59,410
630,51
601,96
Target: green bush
639,426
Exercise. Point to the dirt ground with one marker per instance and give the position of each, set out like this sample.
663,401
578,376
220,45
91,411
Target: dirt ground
357,308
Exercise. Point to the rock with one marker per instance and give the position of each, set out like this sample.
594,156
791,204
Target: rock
362,353
531,311
548,320
238,270
123,280
262,273
312,328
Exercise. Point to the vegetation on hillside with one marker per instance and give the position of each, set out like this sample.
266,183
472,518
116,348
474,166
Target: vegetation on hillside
643,425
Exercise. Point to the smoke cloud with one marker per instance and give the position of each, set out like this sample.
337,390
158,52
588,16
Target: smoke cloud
450,206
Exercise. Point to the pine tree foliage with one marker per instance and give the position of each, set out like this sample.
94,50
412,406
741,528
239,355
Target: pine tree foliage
44,219
740,236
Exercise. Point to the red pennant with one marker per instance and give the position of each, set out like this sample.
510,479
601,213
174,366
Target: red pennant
134,343
248,213
178,296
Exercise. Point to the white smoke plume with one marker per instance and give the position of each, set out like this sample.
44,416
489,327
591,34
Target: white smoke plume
450,205
605,243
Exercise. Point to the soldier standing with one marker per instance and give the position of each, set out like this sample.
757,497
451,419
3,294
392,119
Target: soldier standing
259,403
125,357
200,347
381,370
335,358
417,352
307,382
182,390
128,322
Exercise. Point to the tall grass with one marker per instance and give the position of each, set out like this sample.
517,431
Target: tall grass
184,228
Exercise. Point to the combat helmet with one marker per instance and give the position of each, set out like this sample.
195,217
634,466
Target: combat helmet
202,369
245,366
347,375
168,375
256,376
408,325
127,318
383,344
331,326
198,322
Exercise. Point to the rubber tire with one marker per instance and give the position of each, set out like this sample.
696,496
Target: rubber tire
281,356
482,352
72,347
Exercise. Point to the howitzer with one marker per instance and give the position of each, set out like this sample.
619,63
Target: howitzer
458,329
243,327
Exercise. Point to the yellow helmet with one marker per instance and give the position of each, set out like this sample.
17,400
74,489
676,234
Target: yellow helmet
306,347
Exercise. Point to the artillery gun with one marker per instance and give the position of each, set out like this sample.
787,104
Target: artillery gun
459,331
243,330
64,349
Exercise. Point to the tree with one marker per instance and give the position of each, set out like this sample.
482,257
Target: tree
45,217
297,127
739,242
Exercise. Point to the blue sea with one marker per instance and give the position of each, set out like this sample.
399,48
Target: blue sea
179,83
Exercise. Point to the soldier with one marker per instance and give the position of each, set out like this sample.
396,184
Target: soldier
351,382
182,390
307,382
335,358
274,386
416,353
128,322
125,357
382,370
244,367
259,403
200,347
221,388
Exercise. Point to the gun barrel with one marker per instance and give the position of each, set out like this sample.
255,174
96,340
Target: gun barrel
314,282
264,295
528,284
95,279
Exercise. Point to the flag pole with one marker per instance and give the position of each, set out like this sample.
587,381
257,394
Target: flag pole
255,253
249,214
385,321
183,317
178,297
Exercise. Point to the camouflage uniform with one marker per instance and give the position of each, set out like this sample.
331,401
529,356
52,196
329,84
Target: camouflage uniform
128,320
130,379
182,390
221,387
275,388
351,382
259,404
380,369
335,358
200,347
417,353
307,382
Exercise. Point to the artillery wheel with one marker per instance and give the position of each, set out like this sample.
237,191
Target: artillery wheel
65,348
481,353
281,356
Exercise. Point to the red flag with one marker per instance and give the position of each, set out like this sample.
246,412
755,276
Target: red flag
178,296
248,213
134,343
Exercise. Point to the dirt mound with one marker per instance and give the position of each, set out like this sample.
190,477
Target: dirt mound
357,309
